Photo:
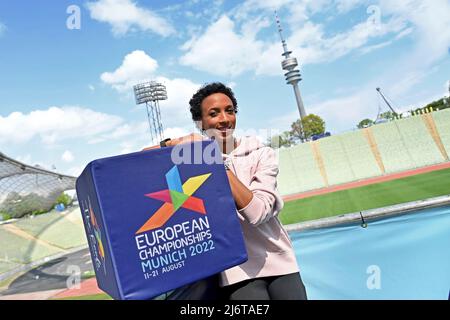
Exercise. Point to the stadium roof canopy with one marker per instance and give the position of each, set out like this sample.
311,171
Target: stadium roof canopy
26,189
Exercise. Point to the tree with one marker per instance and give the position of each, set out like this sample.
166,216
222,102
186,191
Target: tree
365,123
20,205
388,115
63,198
307,127
281,140
439,104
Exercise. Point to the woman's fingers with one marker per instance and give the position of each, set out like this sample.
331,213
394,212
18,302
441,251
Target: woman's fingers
197,137
150,148
190,138
185,139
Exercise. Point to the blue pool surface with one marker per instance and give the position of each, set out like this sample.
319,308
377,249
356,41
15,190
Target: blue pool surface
401,257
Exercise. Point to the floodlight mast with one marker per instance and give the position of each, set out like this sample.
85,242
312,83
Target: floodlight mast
151,93
448,99
385,100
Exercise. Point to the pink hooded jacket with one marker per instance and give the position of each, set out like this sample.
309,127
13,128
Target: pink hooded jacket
269,248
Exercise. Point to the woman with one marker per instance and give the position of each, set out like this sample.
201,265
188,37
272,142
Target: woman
271,271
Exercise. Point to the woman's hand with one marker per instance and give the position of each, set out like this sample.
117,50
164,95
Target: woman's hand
241,194
173,142
186,139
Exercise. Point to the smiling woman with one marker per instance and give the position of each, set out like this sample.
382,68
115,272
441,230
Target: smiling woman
271,271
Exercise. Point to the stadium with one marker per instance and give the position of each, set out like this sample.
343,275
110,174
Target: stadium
366,206
343,194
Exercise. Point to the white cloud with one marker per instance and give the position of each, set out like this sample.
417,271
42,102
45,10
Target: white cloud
175,110
126,130
358,36
408,80
91,87
75,171
374,47
215,51
342,113
232,85
404,33
309,42
144,140
381,45
347,5
424,21
128,147
136,66
243,11
339,113
26,159
67,156
430,30
125,16
431,27
55,124
176,132
299,11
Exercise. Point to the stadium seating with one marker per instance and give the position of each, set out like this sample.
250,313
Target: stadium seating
299,171
442,121
419,142
391,146
402,145
359,154
336,161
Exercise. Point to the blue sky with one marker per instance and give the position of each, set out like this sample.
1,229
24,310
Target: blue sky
66,94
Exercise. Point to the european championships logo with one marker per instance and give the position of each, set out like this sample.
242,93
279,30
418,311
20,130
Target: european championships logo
97,233
176,196
95,237
164,248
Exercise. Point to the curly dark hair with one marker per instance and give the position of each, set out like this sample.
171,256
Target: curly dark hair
205,91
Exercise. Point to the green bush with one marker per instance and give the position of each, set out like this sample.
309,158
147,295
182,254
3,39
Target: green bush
64,199
18,205
5,216
38,212
438,105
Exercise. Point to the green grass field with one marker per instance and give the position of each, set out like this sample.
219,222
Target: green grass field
100,296
418,187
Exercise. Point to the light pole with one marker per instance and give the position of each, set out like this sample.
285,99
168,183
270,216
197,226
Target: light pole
151,93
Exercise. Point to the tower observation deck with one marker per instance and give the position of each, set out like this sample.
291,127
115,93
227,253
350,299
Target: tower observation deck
292,75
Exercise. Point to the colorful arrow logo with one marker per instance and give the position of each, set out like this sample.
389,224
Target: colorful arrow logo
97,233
176,196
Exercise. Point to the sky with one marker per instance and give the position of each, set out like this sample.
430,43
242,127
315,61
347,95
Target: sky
67,68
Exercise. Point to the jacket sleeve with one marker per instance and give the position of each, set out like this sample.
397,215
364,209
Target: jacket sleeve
266,202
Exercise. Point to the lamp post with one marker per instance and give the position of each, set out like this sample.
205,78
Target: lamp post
151,93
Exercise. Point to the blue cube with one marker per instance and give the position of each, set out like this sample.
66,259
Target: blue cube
157,220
